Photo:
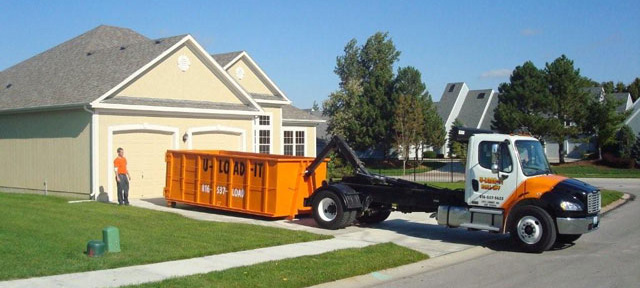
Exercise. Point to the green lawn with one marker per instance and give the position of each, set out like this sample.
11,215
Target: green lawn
426,167
303,271
594,171
608,196
42,235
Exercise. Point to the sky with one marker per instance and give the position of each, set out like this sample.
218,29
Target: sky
296,42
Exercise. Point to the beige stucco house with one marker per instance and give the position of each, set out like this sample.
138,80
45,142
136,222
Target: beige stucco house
64,112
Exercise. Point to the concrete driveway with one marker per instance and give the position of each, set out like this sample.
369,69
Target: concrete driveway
414,230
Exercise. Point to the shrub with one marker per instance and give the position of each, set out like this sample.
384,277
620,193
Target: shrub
429,155
625,140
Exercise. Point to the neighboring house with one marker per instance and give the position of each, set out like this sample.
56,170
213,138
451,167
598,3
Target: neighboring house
626,102
64,112
474,108
634,119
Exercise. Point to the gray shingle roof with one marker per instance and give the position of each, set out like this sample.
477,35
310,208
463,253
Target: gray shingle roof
625,101
291,112
267,97
486,122
474,106
224,58
448,99
178,103
321,129
80,70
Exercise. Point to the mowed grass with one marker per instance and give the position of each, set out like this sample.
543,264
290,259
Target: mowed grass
425,167
303,271
42,235
590,170
609,196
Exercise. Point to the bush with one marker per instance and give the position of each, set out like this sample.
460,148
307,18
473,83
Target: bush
611,160
635,150
625,140
429,155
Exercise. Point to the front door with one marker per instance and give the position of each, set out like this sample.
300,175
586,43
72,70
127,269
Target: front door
488,189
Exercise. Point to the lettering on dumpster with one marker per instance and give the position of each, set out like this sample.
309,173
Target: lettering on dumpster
239,168
235,192
206,188
221,190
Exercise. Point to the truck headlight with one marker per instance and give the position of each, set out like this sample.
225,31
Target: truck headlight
570,206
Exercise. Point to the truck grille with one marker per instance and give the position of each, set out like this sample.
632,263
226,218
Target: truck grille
593,202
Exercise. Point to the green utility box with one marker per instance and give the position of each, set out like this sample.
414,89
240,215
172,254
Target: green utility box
111,237
95,248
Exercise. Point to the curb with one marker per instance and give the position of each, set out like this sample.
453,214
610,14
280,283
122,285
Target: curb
616,204
395,273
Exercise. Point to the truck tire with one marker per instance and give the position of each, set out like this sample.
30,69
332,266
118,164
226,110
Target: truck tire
329,210
533,229
375,216
567,238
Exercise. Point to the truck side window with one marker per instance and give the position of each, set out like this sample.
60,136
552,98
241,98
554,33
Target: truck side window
484,156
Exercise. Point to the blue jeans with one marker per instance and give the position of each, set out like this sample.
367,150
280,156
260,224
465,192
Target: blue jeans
123,189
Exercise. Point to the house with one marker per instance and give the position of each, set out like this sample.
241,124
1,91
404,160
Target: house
474,108
65,111
634,119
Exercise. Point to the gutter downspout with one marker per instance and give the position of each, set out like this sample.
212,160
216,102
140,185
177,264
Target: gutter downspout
92,145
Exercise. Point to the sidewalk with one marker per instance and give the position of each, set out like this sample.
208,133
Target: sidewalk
160,271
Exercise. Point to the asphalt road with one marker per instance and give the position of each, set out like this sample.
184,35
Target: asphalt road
609,257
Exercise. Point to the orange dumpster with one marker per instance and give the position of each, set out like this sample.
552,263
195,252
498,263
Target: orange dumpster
252,183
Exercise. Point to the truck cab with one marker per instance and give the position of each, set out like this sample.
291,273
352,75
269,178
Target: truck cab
510,187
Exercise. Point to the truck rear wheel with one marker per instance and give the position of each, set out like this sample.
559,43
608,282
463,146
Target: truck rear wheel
533,229
329,210
375,216
567,238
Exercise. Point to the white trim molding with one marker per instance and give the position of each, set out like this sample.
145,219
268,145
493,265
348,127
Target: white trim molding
132,127
220,129
190,111
302,122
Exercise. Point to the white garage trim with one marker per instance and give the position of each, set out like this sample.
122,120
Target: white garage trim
95,155
217,128
132,127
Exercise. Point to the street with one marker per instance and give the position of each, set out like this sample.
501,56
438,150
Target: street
605,258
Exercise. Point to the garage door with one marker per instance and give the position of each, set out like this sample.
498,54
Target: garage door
145,152
217,141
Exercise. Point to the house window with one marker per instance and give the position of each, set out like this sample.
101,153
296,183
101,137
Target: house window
481,96
294,143
262,135
453,86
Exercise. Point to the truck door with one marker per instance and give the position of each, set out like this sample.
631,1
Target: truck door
484,187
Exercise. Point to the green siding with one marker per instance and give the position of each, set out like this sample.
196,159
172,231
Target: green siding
52,146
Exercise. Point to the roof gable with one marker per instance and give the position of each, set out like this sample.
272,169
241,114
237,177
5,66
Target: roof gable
474,107
166,80
245,71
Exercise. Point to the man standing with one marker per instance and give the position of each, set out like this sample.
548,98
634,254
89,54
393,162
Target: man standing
122,177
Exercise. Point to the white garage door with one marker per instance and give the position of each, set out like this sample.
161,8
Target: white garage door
217,141
145,153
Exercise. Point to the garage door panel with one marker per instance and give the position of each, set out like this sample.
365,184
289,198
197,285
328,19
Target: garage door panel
217,141
145,153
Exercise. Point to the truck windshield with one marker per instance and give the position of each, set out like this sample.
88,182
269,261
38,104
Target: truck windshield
532,158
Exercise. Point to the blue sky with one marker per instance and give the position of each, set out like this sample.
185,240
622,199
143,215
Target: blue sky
296,42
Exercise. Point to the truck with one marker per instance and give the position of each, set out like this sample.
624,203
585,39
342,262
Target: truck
509,188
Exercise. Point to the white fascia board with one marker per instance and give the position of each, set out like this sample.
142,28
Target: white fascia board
140,71
144,108
233,61
261,73
223,73
635,114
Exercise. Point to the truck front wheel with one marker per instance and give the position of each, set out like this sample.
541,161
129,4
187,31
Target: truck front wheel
329,210
533,229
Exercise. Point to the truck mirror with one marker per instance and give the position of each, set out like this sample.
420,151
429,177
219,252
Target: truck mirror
495,157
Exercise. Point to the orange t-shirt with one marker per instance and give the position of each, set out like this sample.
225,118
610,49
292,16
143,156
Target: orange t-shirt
121,164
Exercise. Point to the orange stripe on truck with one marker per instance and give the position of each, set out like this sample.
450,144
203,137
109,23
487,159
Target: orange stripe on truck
532,188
